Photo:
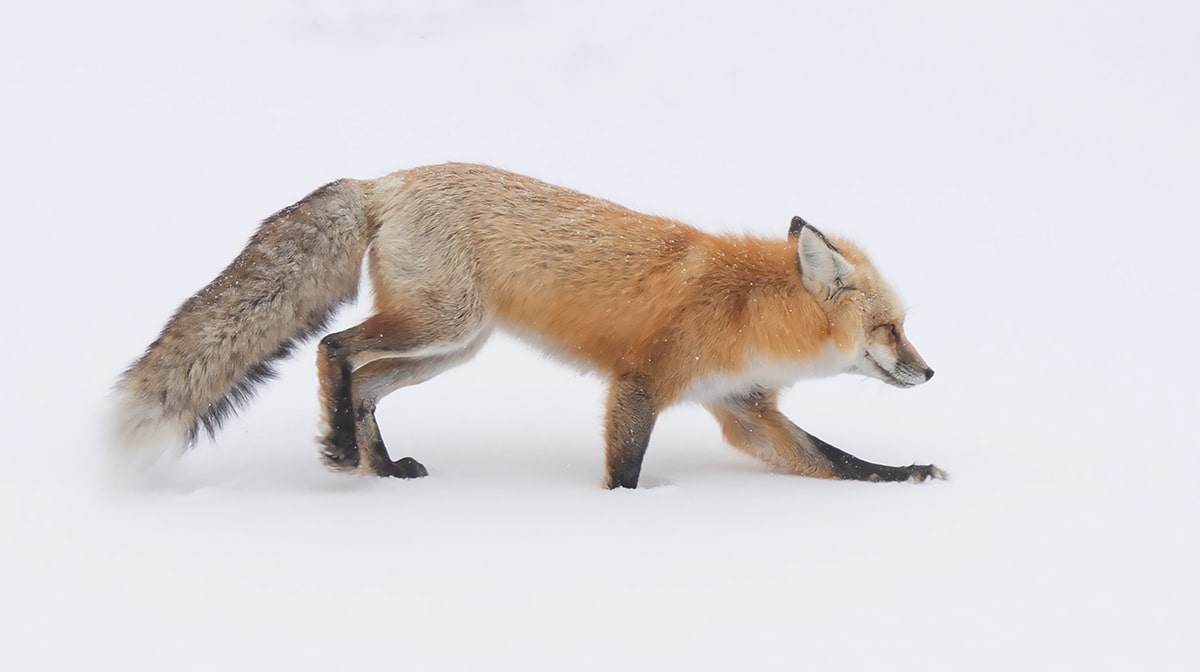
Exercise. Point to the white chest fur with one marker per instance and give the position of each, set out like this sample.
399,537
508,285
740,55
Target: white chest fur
761,372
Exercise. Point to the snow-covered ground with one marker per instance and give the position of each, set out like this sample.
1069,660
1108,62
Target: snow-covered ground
1025,172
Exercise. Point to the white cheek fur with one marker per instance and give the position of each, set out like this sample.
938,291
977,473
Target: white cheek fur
883,356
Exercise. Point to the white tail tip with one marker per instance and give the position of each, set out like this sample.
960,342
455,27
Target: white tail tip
140,437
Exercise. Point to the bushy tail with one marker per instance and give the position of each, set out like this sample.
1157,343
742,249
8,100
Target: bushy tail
298,268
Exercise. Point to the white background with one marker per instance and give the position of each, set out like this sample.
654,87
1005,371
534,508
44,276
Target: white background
1024,172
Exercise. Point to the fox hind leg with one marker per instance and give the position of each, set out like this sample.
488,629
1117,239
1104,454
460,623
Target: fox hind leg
376,380
339,449
361,365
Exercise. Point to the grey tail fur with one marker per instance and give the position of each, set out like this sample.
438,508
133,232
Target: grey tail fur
300,266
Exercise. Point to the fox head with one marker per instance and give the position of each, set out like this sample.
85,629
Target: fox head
865,316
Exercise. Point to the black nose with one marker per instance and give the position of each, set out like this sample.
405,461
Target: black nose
928,373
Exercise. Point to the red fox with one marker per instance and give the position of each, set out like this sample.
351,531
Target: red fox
667,313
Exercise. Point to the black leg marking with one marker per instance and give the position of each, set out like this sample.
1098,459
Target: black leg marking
849,467
338,448
631,417
375,453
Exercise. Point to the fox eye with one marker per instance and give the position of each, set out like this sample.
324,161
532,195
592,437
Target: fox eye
891,329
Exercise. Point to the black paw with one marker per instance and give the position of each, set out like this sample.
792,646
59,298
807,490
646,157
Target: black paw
407,467
338,457
919,473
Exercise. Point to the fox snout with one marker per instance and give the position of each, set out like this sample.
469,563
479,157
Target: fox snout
922,377
910,368
905,376
902,375
890,357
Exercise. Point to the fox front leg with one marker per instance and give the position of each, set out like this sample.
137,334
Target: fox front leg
754,424
628,423
849,467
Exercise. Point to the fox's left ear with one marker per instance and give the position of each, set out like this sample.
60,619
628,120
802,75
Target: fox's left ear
823,269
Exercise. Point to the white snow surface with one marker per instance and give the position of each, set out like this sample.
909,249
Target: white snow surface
1025,173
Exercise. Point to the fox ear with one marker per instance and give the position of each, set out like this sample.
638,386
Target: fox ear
823,269
798,223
